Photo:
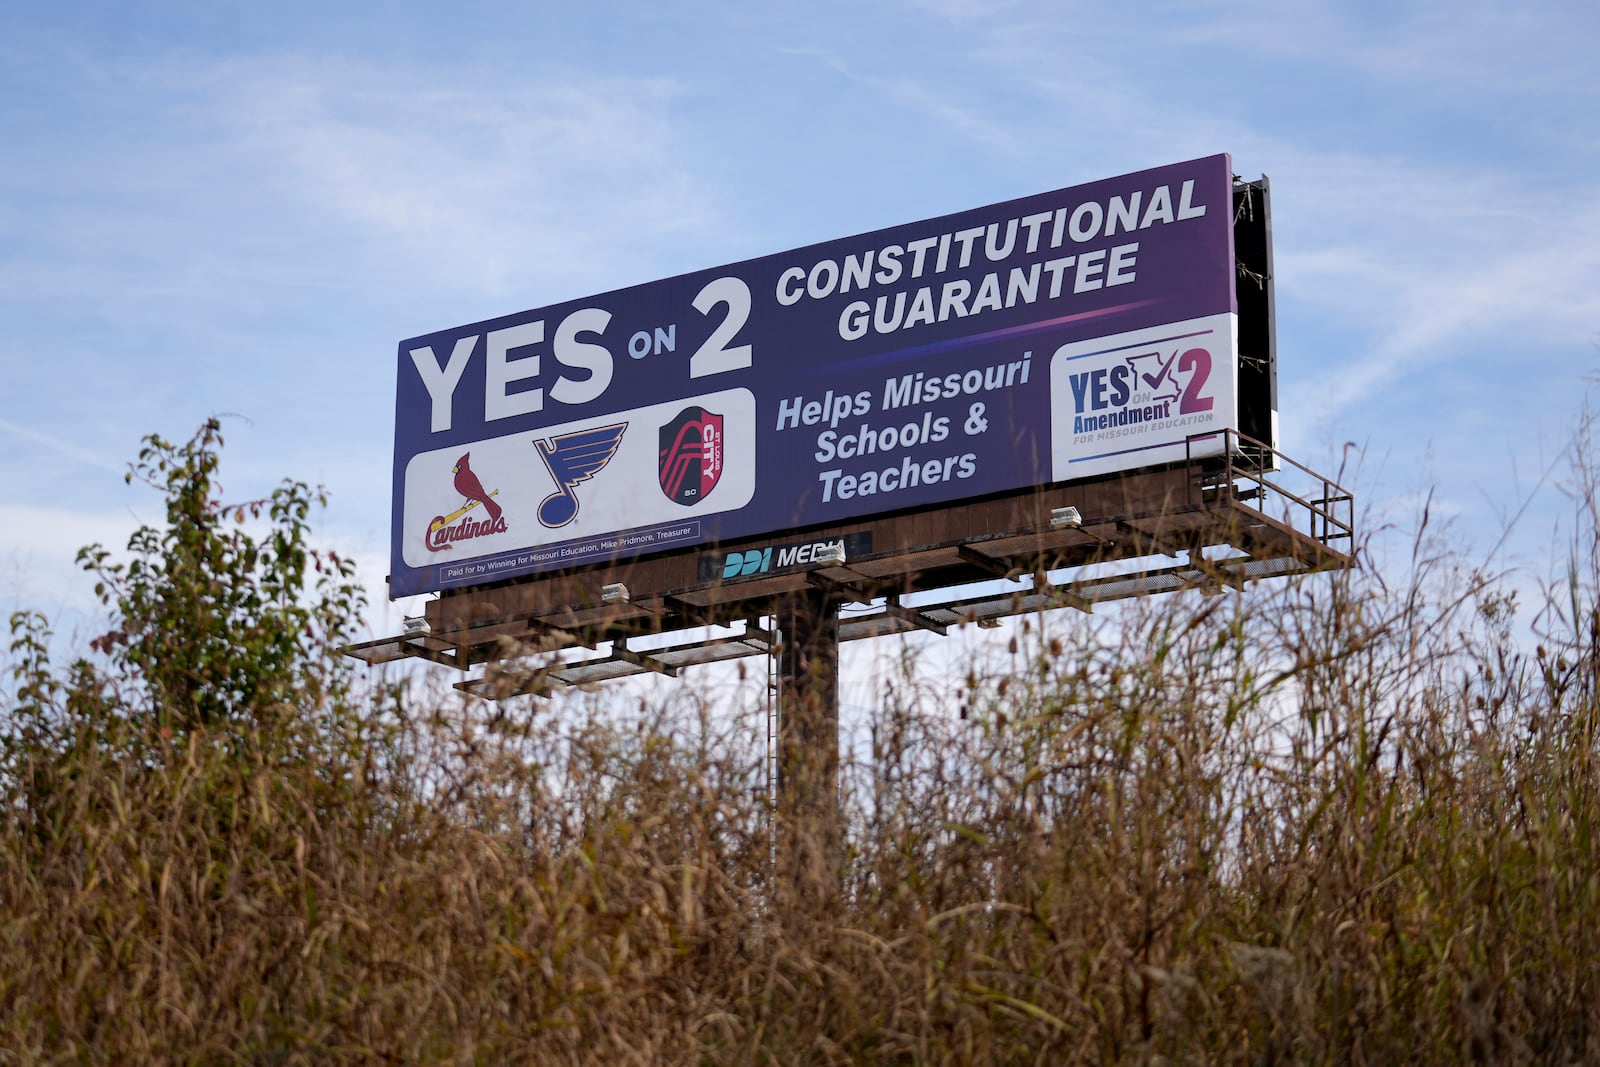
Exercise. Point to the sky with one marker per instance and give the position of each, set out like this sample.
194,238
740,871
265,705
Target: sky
240,209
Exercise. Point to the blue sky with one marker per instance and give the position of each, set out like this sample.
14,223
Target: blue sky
241,209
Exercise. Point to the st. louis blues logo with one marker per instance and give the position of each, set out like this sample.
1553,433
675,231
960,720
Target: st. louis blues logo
691,455
572,458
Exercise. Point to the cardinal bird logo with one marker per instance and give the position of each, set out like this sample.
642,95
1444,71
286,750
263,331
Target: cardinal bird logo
467,485
571,459
441,533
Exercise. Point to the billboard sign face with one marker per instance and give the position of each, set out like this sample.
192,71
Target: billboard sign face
1073,333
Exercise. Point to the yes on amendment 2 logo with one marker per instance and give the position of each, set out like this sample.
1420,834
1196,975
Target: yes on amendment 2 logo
1135,398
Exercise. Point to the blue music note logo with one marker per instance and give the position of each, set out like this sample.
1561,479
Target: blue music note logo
572,458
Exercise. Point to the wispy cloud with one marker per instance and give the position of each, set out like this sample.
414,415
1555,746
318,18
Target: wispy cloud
37,561
295,167
949,107
1425,256
62,448
474,181
1461,50
1433,265
966,11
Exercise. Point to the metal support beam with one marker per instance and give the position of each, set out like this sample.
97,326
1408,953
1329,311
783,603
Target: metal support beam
915,618
1061,594
854,588
620,650
1000,568
505,684
810,827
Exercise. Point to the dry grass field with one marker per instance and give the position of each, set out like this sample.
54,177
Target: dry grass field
1344,819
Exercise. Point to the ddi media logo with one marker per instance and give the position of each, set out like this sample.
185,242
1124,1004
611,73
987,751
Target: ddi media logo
775,558
744,564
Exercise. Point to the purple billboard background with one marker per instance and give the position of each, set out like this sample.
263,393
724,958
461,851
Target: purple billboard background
841,414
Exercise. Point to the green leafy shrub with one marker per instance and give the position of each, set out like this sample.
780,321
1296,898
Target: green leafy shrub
214,626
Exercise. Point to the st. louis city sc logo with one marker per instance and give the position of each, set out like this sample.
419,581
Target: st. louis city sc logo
571,459
691,459
441,533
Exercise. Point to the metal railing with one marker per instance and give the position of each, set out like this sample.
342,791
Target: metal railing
1328,514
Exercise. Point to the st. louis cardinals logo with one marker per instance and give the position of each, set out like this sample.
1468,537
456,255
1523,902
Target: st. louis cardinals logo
573,458
440,531
691,455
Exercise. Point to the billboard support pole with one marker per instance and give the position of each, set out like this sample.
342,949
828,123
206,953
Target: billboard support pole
810,828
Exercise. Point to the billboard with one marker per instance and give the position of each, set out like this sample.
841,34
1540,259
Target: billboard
1080,332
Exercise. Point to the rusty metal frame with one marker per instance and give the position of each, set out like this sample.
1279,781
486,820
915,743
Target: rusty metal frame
1234,506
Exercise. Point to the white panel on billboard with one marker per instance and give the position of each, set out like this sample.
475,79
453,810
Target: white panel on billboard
573,482
1133,399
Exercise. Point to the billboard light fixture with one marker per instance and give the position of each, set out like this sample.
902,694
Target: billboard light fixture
614,593
1067,518
829,556
417,625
